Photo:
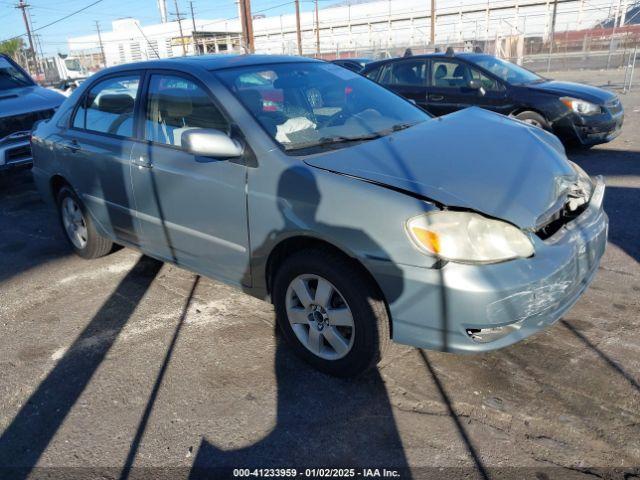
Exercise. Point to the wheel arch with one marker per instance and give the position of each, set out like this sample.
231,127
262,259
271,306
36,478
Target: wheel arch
296,243
56,182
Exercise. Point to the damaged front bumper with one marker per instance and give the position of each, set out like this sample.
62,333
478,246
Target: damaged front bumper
474,308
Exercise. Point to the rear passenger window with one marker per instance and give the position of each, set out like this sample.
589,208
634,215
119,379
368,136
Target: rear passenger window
411,73
108,107
175,105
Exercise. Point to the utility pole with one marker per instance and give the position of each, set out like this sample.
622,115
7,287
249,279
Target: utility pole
104,59
179,17
23,6
247,24
552,32
193,31
298,27
317,32
433,22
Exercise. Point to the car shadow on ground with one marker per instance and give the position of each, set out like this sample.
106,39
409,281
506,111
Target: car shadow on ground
316,424
30,231
621,202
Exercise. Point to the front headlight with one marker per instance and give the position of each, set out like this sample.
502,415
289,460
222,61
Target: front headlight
468,237
581,106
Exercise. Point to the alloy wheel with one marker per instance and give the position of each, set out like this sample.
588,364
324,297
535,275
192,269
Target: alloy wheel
74,223
320,317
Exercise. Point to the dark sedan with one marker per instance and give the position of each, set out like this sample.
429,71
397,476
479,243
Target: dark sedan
443,83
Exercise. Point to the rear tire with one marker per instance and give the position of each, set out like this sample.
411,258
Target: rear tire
533,118
79,228
342,326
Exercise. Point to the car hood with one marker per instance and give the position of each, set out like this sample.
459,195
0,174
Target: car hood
472,159
577,90
16,101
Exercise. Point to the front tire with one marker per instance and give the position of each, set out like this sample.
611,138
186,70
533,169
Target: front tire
533,118
79,228
331,312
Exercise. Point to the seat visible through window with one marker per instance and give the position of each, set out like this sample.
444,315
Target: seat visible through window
176,105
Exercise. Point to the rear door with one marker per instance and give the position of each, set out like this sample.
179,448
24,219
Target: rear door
449,88
96,151
406,77
192,209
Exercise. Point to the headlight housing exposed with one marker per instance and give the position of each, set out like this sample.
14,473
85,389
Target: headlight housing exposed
581,107
468,237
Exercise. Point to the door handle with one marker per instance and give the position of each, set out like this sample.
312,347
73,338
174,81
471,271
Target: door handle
72,145
142,162
436,98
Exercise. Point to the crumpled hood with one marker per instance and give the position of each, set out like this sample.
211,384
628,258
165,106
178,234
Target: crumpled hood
591,94
17,101
472,159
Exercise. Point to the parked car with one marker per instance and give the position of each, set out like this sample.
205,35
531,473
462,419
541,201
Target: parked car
22,104
355,64
444,83
361,217
66,87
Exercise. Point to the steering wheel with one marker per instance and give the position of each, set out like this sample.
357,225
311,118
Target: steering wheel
336,119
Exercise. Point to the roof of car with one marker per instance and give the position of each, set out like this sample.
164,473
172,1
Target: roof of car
463,55
215,62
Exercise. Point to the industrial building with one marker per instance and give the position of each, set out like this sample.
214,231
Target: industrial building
354,28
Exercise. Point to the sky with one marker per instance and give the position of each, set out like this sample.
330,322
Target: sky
54,38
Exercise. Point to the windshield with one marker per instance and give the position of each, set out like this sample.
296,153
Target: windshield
507,71
11,77
305,105
72,64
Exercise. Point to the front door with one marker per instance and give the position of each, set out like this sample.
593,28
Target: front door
192,209
96,152
449,88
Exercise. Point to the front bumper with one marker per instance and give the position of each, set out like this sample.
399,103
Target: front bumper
591,130
440,309
15,153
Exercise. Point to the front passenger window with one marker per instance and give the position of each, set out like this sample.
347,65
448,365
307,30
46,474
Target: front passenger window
108,106
176,105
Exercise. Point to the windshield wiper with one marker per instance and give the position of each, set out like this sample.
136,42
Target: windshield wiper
335,139
402,126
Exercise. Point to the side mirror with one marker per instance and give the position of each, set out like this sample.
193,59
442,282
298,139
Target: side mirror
211,143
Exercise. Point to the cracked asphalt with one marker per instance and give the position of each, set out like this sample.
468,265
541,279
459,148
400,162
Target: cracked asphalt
124,367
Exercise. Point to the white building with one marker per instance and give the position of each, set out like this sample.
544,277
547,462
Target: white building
361,27
129,41
384,24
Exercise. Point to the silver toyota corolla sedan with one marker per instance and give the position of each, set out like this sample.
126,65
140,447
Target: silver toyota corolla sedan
359,216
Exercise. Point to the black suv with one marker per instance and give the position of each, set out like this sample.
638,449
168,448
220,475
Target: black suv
443,83
22,104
